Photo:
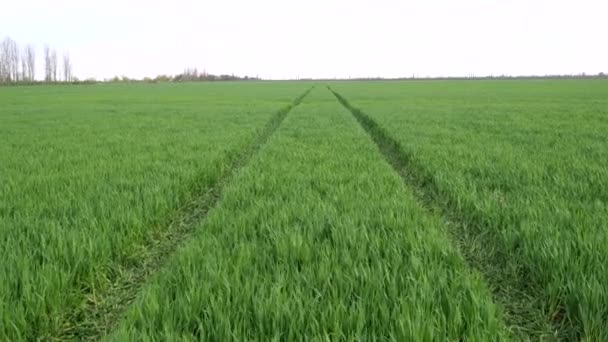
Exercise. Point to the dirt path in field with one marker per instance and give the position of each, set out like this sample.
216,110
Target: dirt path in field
518,301
103,310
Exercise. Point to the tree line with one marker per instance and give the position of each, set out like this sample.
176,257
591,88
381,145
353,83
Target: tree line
189,75
18,65
192,75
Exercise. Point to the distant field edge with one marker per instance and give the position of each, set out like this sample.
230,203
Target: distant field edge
98,316
520,303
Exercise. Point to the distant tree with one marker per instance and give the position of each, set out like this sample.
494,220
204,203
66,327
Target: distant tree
24,76
3,63
192,74
30,59
67,68
19,65
162,78
48,67
9,61
188,75
54,65
14,57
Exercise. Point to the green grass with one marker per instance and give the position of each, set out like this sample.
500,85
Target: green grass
522,166
316,238
435,210
91,176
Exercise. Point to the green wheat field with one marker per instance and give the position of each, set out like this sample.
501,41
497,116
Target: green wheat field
457,210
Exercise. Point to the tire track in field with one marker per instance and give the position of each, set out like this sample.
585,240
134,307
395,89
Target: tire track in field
472,238
103,310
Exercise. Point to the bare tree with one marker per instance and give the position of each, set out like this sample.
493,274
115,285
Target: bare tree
9,61
18,65
48,69
67,68
3,63
14,60
24,77
50,64
54,65
30,59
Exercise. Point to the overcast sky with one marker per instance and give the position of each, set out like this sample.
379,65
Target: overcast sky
316,38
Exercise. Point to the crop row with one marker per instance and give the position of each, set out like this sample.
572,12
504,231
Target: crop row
522,167
317,237
92,176
415,211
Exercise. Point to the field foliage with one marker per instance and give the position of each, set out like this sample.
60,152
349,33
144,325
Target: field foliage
316,238
89,175
410,210
523,166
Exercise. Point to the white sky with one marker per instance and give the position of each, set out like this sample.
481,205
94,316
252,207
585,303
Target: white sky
316,38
